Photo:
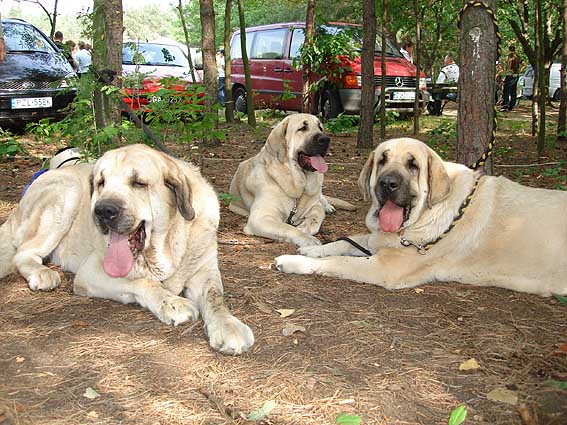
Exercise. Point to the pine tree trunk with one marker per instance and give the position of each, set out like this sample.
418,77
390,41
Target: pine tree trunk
210,74
540,75
249,94
186,34
475,121
416,110
107,55
561,120
383,73
365,139
228,101
306,75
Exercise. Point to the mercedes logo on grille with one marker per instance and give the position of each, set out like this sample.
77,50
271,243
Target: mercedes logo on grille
399,82
28,85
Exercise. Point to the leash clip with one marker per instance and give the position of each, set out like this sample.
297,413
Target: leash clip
419,247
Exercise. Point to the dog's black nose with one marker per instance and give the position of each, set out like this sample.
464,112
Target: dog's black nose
106,211
390,183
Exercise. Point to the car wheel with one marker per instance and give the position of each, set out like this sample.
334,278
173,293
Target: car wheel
239,96
557,95
330,105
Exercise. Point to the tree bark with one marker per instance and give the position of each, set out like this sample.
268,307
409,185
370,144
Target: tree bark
475,120
365,139
249,94
54,22
210,75
416,111
383,72
107,55
306,75
562,118
540,75
228,102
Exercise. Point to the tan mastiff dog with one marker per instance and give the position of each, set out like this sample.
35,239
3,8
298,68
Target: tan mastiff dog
136,227
432,220
280,189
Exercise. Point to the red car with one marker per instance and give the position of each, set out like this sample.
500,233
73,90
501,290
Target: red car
277,84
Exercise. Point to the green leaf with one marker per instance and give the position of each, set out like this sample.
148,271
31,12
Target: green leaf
344,419
561,299
559,384
262,412
458,415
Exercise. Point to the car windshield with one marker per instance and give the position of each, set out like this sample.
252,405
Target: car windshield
356,34
25,38
153,55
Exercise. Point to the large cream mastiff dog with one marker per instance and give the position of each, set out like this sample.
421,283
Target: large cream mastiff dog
136,227
509,235
279,189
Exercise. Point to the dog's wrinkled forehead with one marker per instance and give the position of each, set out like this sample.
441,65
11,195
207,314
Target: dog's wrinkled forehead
304,125
400,151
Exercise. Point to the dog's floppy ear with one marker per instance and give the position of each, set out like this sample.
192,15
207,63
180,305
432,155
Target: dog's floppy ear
276,144
178,182
364,178
437,179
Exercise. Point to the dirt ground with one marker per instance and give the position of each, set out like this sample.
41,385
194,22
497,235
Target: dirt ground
389,357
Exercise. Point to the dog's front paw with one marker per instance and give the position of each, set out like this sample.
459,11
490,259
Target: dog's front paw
44,280
307,240
329,209
295,264
177,310
314,251
229,335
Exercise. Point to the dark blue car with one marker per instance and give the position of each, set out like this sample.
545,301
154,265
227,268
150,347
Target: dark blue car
34,77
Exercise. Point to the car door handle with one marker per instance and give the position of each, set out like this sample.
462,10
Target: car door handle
288,70
278,70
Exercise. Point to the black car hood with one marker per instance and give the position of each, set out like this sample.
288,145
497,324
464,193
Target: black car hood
34,66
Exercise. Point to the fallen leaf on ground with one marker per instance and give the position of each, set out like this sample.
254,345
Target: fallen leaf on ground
91,393
20,359
290,329
419,290
470,364
285,312
92,415
262,412
344,419
503,395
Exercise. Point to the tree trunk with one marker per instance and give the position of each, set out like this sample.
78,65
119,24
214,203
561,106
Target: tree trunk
383,72
210,74
107,55
186,33
306,75
540,75
475,121
249,94
417,54
561,120
365,139
228,102
54,22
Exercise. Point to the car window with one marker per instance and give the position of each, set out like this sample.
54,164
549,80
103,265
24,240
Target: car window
297,39
153,55
25,38
355,34
236,50
269,44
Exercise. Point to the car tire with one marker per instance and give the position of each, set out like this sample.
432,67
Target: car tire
557,95
330,105
239,96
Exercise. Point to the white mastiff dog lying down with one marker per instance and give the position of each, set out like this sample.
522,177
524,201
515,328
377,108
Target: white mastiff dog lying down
510,236
136,227
280,188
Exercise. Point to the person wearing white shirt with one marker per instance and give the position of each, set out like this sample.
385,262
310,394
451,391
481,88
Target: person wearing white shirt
407,51
221,75
449,74
83,59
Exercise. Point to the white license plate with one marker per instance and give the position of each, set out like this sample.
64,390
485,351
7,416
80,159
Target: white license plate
172,99
403,95
32,103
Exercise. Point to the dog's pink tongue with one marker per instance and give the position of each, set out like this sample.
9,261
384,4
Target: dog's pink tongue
118,259
318,162
391,217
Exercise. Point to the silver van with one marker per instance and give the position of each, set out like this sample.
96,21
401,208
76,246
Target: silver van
554,82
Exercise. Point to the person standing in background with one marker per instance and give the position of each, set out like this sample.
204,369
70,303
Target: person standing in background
221,75
407,50
65,48
513,66
83,58
449,74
